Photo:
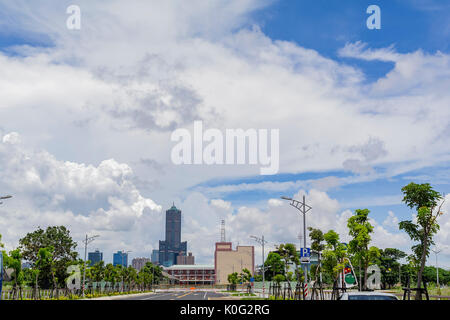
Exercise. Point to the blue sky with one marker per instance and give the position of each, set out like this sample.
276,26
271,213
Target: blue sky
106,87
327,25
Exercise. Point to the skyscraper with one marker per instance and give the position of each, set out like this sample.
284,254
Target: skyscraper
95,257
120,258
172,246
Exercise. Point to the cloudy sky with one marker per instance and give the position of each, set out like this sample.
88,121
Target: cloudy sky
86,117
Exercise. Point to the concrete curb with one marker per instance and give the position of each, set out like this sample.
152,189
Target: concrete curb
118,297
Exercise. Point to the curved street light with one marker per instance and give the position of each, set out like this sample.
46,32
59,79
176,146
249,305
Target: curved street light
303,208
4,198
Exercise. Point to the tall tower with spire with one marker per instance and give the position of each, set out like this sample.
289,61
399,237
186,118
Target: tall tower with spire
172,246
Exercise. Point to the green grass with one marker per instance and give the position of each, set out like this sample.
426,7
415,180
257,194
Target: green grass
432,290
241,294
91,295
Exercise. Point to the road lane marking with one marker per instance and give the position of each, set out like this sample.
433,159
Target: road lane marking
157,296
184,295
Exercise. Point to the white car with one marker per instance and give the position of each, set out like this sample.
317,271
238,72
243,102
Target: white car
367,295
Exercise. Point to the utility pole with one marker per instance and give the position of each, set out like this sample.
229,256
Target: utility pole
436,251
303,208
87,241
1,256
261,241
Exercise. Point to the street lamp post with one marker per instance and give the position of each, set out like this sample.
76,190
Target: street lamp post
436,251
4,198
262,242
86,242
303,208
1,257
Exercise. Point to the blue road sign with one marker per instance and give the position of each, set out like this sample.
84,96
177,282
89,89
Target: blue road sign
252,279
305,252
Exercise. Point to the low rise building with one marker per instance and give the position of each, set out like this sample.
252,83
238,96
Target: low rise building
192,274
227,260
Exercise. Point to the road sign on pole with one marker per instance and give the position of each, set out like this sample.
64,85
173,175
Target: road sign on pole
305,255
305,252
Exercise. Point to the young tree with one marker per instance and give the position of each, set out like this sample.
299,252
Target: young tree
360,230
274,265
317,238
97,272
110,274
14,261
333,255
279,278
46,265
425,200
245,275
131,276
233,280
288,253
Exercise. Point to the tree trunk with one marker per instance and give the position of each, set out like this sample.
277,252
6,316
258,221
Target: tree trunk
366,265
422,266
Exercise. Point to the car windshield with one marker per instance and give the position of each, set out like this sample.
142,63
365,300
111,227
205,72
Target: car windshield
370,297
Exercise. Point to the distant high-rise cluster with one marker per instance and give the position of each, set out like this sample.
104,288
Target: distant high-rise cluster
155,256
95,257
139,263
120,258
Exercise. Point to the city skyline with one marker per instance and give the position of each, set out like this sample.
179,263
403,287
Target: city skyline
87,117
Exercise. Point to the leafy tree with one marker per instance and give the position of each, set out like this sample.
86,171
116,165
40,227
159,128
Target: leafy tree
97,272
334,254
360,230
45,263
110,274
288,253
153,270
279,278
425,200
63,253
233,278
144,278
14,261
131,277
317,245
389,266
245,275
258,277
274,265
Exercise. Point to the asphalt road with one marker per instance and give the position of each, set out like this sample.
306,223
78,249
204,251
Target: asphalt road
181,295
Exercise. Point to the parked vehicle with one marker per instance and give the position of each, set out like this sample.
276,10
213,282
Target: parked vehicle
372,295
